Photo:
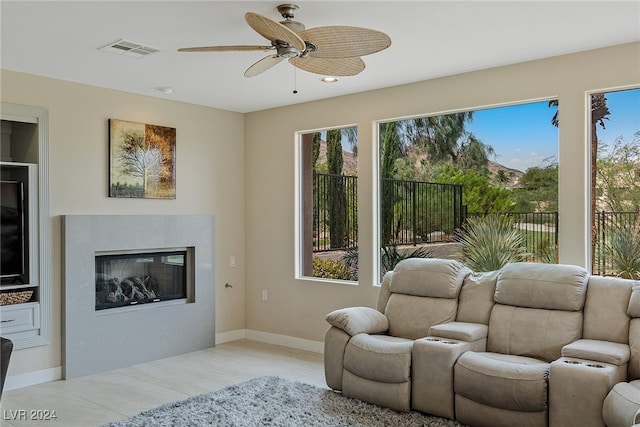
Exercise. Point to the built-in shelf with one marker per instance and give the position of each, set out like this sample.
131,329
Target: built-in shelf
24,159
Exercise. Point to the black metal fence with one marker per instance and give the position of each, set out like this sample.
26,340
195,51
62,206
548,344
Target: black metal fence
335,212
413,212
604,224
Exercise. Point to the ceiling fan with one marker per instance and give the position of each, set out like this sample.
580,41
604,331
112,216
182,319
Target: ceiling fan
330,51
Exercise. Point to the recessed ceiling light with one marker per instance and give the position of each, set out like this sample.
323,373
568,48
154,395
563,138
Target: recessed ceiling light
165,89
329,79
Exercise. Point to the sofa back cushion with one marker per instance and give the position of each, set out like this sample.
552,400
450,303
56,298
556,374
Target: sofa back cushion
411,316
476,297
428,277
538,310
532,332
605,309
547,286
422,292
634,333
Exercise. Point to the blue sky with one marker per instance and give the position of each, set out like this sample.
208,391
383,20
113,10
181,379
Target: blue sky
523,136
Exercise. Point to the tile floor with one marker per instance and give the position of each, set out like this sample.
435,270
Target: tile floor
100,398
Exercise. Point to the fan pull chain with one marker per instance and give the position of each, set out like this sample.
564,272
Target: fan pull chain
295,82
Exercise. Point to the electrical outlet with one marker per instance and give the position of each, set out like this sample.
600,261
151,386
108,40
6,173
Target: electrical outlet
232,261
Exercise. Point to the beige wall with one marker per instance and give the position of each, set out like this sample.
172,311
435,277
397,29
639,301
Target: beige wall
241,169
297,307
210,180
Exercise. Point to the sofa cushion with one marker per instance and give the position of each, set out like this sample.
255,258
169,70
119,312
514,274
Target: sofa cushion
379,358
502,381
549,286
358,320
411,316
622,405
605,309
476,297
428,277
532,332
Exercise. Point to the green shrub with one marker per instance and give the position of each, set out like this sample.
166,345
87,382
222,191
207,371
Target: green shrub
623,252
330,269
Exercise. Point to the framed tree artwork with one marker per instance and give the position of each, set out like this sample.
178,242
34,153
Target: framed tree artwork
142,160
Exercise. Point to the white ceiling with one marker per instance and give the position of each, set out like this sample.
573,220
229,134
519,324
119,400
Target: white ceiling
429,39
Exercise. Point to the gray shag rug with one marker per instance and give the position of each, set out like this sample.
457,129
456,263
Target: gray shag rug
273,401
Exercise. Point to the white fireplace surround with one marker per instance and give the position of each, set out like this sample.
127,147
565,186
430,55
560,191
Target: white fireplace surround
95,341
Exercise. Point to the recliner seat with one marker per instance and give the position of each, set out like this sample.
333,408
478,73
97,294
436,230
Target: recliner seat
373,363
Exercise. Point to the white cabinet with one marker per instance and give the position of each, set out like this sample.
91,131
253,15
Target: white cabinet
25,281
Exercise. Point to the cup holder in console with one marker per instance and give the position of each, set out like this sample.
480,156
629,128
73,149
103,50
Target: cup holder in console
442,340
590,365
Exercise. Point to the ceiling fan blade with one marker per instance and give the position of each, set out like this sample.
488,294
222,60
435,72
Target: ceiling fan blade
240,48
330,66
345,41
263,65
272,30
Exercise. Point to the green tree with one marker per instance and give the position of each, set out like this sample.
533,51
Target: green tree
440,135
316,149
617,182
337,195
391,150
539,189
477,192
501,177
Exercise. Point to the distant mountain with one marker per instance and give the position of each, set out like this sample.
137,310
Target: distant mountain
350,166
350,161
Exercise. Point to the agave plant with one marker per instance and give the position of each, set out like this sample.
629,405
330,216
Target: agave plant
491,242
391,256
623,251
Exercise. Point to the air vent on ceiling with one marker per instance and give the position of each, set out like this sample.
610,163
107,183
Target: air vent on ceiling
124,47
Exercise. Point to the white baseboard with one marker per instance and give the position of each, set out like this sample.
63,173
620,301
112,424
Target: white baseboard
32,378
52,374
229,336
267,337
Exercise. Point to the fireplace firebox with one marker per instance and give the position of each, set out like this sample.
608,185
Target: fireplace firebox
140,277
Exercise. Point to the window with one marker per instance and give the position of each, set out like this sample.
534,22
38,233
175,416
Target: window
328,215
615,201
447,182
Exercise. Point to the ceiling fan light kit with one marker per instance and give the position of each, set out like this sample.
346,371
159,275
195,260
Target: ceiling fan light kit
329,51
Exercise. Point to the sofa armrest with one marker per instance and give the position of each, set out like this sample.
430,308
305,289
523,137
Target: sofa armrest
600,351
358,320
462,331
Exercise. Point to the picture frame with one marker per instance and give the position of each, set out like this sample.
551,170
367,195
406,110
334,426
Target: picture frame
142,160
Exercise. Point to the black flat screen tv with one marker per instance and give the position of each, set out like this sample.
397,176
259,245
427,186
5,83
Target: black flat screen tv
12,231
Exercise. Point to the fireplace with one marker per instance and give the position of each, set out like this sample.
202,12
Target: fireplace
136,288
140,277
